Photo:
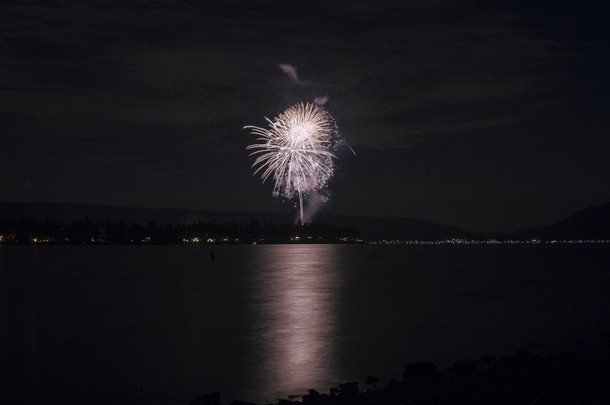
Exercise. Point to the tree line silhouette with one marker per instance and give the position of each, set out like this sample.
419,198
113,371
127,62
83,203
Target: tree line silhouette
89,231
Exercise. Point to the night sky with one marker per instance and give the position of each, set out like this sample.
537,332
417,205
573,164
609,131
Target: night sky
490,115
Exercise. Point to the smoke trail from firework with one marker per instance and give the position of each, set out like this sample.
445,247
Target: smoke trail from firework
320,100
296,151
290,70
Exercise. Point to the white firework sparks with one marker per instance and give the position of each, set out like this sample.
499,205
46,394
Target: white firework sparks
296,151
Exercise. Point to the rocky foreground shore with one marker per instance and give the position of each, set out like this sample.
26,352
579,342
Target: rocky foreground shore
523,379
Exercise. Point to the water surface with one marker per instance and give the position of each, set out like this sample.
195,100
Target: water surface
164,324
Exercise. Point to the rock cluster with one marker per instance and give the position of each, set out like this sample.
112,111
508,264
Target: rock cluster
578,379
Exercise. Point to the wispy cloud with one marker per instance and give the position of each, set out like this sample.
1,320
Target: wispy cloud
75,67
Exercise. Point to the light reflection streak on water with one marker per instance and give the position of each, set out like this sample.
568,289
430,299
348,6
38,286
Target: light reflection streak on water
296,311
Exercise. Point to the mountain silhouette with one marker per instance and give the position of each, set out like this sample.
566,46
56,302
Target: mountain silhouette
370,228
590,223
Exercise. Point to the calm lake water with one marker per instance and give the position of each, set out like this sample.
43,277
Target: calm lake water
164,324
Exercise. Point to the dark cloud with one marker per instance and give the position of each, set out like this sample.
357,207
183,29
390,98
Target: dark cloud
191,65
146,86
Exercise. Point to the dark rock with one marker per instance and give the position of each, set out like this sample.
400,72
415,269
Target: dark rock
348,388
392,385
462,367
369,379
394,392
287,402
422,371
238,402
314,397
314,393
213,398
485,363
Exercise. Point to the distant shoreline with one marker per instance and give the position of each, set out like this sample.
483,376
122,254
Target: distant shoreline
117,223
356,242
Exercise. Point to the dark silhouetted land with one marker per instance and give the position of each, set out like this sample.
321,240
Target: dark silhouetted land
566,379
63,222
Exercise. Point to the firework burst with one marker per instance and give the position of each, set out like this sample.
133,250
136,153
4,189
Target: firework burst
296,151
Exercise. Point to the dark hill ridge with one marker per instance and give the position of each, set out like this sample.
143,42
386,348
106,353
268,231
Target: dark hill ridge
590,223
399,228
370,228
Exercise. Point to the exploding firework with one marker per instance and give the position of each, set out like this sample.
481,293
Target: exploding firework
296,151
